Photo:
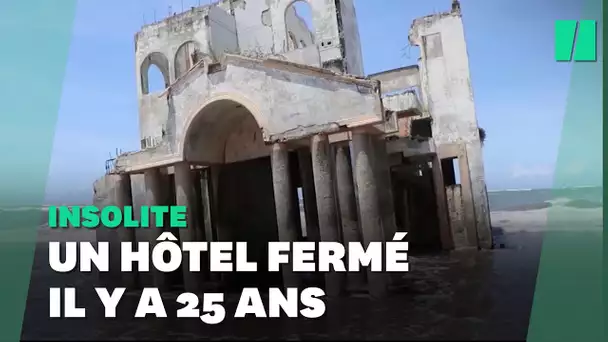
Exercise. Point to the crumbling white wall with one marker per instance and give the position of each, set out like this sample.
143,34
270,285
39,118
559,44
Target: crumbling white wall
447,92
456,214
297,30
159,44
351,39
255,28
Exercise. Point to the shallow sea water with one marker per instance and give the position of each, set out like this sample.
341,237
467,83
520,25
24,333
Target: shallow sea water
462,295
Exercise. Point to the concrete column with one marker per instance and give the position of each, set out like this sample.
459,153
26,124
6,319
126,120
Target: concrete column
471,166
198,208
369,208
348,208
156,193
106,190
185,196
445,230
206,204
219,234
467,201
326,205
124,198
283,199
406,216
214,183
309,196
210,233
385,188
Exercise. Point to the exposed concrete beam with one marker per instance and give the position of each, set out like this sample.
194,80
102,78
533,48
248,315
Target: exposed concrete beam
398,79
409,147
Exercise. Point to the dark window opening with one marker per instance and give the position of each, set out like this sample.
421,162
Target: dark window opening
450,169
422,128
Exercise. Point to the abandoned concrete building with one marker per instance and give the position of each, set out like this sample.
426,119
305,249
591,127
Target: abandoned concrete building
262,119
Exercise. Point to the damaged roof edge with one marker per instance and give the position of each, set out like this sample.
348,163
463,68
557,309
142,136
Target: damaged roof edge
276,63
409,67
177,16
316,71
430,19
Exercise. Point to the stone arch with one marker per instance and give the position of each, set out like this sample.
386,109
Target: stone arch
242,186
299,24
186,56
206,131
160,61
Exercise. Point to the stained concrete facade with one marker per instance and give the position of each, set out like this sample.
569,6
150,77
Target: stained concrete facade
256,108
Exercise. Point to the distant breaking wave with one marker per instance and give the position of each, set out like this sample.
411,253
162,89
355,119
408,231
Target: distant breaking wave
580,197
561,202
24,208
576,208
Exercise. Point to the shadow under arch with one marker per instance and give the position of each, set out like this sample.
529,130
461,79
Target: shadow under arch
206,131
241,187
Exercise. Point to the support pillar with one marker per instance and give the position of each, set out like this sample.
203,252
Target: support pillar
214,183
156,193
124,198
220,234
385,188
206,204
472,155
472,225
185,195
309,196
405,209
369,208
348,208
210,233
326,205
445,230
283,199
198,208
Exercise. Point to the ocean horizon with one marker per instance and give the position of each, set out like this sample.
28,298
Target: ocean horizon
582,197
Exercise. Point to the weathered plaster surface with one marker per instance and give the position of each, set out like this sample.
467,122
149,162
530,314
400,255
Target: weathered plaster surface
410,147
254,28
456,212
397,80
243,74
298,33
446,89
288,101
405,103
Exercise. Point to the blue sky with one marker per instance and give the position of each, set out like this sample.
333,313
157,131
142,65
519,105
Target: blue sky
520,92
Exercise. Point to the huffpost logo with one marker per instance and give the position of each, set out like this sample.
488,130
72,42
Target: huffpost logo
575,40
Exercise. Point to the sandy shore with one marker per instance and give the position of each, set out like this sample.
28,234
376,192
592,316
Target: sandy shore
554,219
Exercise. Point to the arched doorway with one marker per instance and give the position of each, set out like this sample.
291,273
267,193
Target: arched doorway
154,73
299,25
226,137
